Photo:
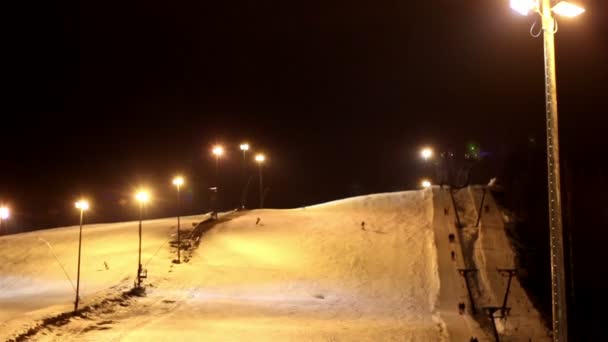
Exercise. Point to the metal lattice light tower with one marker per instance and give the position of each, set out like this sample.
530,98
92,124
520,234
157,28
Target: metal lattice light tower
549,28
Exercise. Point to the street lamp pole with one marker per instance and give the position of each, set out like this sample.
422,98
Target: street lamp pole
217,151
558,279
4,214
142,197
141,209
82,205
178,182
178,226
260,158
244,147
261,186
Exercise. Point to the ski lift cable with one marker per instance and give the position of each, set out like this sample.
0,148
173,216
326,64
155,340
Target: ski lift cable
59,262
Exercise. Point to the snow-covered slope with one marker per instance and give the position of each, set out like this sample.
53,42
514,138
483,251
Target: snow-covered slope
33,266
305,274
370,268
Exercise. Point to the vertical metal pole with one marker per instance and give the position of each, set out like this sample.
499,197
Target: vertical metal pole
455,209
217,171
558,279
217,184
179,241
483,197
244,177
466,280
494,329
504,301
261,187
141,205
78,272
465,274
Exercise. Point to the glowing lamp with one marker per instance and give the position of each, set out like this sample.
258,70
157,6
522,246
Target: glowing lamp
82,205
524,7
4,213
178,181
218,150
426,153
142,196
567,9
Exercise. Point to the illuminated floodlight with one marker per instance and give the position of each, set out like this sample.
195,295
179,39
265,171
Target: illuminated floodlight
4,213
524,7
218,150
426,153
568,9
178,181
142,196
82,205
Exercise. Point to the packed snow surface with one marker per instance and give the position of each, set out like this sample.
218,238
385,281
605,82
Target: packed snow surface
310,273
370,268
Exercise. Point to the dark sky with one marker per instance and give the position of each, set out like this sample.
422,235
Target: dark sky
102,96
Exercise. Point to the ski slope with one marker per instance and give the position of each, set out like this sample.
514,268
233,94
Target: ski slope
370,268
33,283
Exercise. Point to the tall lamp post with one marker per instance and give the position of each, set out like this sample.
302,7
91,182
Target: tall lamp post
427,153
244,147
81,205
260,159
217,151
178,182
558,280
4,214
142,197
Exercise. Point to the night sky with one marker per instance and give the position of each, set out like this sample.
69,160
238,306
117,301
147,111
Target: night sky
101,97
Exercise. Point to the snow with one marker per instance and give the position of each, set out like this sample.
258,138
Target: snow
370,268
494,252
34,285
